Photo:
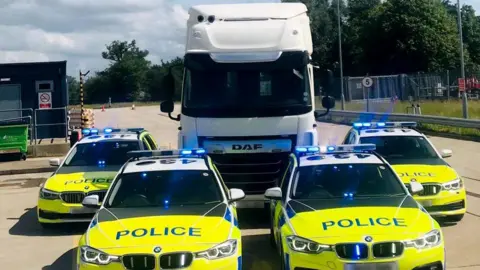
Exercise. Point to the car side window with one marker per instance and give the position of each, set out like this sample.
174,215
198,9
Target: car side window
146,146
347,137
353,138
150,141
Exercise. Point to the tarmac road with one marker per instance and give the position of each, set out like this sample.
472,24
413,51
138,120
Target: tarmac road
24,246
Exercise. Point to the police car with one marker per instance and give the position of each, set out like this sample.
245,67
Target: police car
414,158
87,169
164,210
343,207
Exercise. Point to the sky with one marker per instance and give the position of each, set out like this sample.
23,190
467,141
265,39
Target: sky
77,31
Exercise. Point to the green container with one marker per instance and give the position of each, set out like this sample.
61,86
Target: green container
14,139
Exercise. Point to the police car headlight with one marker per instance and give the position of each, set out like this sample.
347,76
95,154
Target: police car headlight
453,185
49,195
222,250
429,240
94,256
304,245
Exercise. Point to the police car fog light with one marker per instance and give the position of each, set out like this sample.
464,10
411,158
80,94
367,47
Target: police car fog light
94,256
225,249
304,245
429,240
453,185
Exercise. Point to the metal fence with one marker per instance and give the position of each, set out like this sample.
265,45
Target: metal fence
42,123
418,86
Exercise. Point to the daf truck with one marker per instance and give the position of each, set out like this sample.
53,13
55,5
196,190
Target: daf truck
248,93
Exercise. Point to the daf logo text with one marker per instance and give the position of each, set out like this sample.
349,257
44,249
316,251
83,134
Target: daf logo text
247,146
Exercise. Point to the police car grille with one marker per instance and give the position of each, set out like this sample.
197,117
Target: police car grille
352,251
428,189
254,173
387,249
77,197
72,197
176,260
101,194
139,262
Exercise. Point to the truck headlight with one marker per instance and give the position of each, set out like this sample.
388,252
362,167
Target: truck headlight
304,245
94,256
429,240
219,251
48,194
453,185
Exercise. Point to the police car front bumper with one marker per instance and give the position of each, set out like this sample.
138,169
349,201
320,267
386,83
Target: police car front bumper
58,211
445,203
412,258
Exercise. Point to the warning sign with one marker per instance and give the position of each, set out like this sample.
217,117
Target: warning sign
45,100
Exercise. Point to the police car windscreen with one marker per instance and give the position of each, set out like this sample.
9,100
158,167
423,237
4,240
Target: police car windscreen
164,188
101,153
345,180
402,147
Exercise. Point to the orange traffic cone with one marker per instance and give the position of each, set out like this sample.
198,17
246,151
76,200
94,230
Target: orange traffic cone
133,106
103,108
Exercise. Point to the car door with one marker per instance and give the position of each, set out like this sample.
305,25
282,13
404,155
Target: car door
278,205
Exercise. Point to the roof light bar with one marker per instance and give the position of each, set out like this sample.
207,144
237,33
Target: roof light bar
95,131
197,152
325,149
372,125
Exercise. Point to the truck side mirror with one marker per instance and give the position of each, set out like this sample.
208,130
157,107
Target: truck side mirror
167,106
328,102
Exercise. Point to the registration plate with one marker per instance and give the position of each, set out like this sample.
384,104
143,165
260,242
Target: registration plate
426,203
371,266
82,210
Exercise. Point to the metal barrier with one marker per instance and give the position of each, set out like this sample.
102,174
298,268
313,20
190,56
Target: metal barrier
65,122
422,119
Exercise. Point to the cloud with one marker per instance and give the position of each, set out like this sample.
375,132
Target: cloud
77,31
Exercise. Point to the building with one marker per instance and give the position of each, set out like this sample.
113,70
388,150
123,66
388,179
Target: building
38,93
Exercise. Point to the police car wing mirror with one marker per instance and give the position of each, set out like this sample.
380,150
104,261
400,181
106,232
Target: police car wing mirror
91,201
54,162
415,188
446,153
274,193
236,194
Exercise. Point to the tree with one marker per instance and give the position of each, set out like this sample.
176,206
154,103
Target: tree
118,50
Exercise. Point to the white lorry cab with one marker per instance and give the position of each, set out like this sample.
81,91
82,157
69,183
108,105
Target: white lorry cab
248,92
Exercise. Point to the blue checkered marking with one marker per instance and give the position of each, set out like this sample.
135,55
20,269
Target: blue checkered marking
228,217
239,263
93,223
287,262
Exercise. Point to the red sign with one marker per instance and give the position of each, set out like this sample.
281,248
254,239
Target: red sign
461,84
45,100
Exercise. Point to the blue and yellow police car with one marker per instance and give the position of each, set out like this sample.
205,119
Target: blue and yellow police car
88,168
166,209
343,207
414,158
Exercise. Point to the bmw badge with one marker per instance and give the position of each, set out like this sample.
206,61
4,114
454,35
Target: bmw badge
368,239
157,249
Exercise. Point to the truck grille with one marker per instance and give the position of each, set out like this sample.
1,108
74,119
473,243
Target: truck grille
254,173
139,262
387,249
77,197
352,251
176,260
428,189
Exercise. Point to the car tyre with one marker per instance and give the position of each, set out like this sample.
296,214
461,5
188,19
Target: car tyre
455,218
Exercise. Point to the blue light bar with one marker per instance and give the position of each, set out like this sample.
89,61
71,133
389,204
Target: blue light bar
373,125
107,130
85,131
93,131
197,152
127,129
352,148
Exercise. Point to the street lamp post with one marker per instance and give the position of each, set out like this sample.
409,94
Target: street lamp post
462,61
340,55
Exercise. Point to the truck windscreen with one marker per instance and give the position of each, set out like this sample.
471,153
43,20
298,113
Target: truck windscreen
277,88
